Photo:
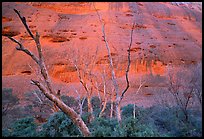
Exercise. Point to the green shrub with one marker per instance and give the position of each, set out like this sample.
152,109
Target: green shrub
134,128
95,101
107,111
157,121
102,127
170,121
127,111
59,125
6,133
24,127
70,101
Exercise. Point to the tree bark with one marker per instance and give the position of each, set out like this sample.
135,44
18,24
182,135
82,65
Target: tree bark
111,109
90,109
103,108
134,110
118,111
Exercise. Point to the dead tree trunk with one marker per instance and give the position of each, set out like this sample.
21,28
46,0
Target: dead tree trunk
80,102
48,90
111,109
115,83
90,109
134,110
104,97
88,93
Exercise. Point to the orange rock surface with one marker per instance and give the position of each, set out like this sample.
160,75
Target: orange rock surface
165,33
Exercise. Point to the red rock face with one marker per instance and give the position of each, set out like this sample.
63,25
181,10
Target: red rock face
164,34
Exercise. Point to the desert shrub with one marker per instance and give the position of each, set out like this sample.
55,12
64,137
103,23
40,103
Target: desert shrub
129,127
101,127
70,101
9,101
37,104
170,121
95,101
127,111
85,117
6,133
59,125
141,113
107,111
11,109
24,127
134,128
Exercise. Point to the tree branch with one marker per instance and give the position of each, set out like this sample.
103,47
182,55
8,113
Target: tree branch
109,55
128,67
21,48
23,20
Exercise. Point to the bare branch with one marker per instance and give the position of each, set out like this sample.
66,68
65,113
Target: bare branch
109,54
21,48
38,98
23,19
37,41
80,78
141,84
128,67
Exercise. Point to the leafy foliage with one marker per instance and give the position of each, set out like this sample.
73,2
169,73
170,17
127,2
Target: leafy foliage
24,127
102,127
59,125
69,101
95,102
156,121
133,128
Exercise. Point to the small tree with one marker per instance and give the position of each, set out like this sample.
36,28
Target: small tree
119,96
48,89
181,87
197,81
84,64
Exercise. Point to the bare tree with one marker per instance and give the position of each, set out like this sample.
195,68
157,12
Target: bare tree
104,98
138,90
197,81
104,91
84,67
48,89
180,86
119,96
81,101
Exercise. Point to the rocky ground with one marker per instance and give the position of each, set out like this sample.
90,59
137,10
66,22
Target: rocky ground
165,34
